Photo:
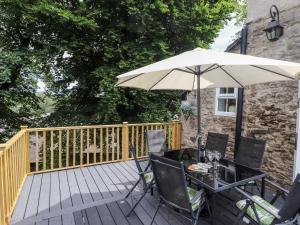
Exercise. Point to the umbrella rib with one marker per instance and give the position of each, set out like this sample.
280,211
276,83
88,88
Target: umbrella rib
129,79
225,71
185,71
193,71
208,69
271,71
161,79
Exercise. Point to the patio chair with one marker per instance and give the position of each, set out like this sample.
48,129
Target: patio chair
170,180
146,175
216,141
156,141
259,211
250,152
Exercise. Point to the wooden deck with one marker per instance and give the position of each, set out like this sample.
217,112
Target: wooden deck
89,195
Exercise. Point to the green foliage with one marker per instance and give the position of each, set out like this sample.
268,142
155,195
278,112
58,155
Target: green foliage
79,47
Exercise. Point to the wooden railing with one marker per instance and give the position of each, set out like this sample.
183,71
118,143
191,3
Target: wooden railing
37,150
13,171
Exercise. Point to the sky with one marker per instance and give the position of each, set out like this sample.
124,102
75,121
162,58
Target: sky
225,38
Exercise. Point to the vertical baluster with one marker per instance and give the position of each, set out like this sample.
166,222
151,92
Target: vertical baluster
59,148
113,143
37,151
169,137
101,144
107,145
44,151
67,147
51,150
81,147
95,145
137,141
165,129
74,147
132,136
142,142
87,146
118,143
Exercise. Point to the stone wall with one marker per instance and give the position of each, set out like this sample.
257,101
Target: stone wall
270,109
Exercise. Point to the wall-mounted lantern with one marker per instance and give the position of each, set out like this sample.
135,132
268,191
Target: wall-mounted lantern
274,30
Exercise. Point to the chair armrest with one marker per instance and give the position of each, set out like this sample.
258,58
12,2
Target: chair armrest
277,186
250,198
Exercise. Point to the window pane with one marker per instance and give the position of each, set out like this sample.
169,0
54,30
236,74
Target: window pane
231,105
230,90
222,105
223,91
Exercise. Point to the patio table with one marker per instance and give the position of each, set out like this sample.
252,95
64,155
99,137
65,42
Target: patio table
227,175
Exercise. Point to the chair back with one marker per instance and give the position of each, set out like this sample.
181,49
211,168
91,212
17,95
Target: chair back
217,142
250,152
156,142
291,205
170,182
132,151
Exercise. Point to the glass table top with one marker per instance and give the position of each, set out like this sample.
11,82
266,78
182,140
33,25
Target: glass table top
215,176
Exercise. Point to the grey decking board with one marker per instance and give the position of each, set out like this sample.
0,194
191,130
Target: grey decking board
33,200
66,202
83,188
74,189
105,193
44,200
108,182
140,211
133,219
131,170
94,190
93,216
144,203
55,199
150,205
20,208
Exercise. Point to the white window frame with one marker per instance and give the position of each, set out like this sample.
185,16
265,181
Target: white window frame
225,96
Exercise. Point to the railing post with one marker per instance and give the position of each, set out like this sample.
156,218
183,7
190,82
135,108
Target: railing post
26,148
4,207
125,144
179,133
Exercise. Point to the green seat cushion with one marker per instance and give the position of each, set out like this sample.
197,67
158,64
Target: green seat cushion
265,217
196,198
148,177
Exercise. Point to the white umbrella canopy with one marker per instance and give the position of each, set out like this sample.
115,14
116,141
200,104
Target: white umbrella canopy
202,68
216,69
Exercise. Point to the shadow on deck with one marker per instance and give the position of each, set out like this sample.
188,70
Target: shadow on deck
94,195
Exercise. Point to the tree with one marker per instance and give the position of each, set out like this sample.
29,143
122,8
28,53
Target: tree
78,47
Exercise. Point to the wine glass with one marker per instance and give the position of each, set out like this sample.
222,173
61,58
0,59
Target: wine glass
210,156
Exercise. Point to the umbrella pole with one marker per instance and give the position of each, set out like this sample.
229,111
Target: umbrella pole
198,72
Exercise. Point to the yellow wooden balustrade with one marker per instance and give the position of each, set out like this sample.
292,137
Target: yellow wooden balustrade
14,166
38,150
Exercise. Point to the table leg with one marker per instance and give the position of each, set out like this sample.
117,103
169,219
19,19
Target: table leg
263,186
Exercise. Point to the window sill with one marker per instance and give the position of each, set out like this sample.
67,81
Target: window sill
225,114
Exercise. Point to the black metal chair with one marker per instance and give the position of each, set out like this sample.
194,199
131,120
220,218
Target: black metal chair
250,152
259,211
156,141
170,180
146,175
216,141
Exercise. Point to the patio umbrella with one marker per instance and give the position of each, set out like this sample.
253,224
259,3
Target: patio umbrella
202,68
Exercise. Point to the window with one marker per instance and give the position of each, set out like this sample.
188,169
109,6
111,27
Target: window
226,99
